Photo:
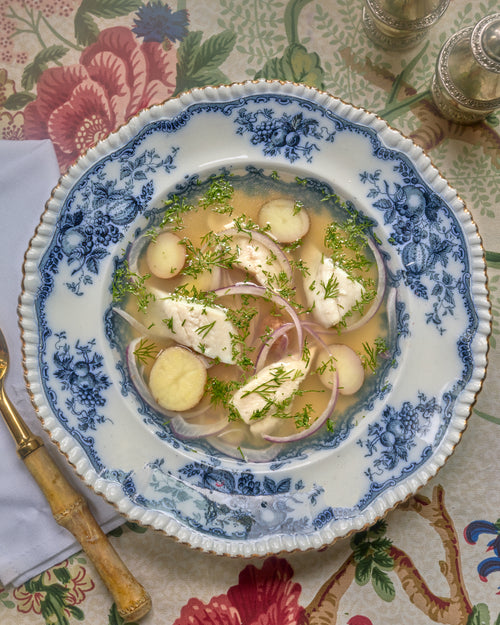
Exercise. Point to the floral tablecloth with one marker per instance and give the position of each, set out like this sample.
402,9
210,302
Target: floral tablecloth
74,70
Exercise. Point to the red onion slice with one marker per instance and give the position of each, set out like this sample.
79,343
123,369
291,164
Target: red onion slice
267,346
247,288
379,296
189,431
135,252
136,324
246,454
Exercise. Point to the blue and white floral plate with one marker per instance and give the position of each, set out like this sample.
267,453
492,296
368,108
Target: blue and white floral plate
392,441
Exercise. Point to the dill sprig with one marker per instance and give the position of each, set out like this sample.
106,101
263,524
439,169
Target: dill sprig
331,287
266,389
145,351
297,207
204,330
371,352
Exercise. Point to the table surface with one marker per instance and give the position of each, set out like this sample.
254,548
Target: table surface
445,542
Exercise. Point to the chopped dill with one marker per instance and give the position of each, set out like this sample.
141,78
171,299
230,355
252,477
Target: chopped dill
281,283
126,283
217,250
242,317
176,207
306,353
290,247
348,236
268,331
218,196
245,224
302,418
297,207
326,364
221,391
169,322
301,267
190,292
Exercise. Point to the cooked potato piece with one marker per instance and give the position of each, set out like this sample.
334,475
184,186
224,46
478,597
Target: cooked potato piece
348,366
287,220
166,255
177,379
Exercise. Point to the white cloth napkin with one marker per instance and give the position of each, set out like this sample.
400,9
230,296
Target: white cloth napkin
30,539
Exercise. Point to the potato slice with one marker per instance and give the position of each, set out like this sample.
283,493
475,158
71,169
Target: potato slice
166,255
287,221
348,365
177,379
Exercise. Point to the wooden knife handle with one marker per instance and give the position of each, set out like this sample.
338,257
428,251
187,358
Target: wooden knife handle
71,511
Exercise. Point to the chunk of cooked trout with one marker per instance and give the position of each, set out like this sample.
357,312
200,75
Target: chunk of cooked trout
274,384
330,291
204,328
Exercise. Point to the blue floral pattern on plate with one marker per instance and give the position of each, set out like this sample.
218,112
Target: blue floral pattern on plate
424,241
387,444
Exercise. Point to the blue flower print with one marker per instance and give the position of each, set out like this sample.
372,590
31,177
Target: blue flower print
471,535
425,246
157,22
223,481
396,432
288,135
79,371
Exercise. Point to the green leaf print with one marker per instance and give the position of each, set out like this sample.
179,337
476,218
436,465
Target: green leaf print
198,63
383,560
487,417
292,13
364,571
35,69
480,615
62,575
5,601
108,9
492,259
382,584
115,618
18,101
296,65
86,30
